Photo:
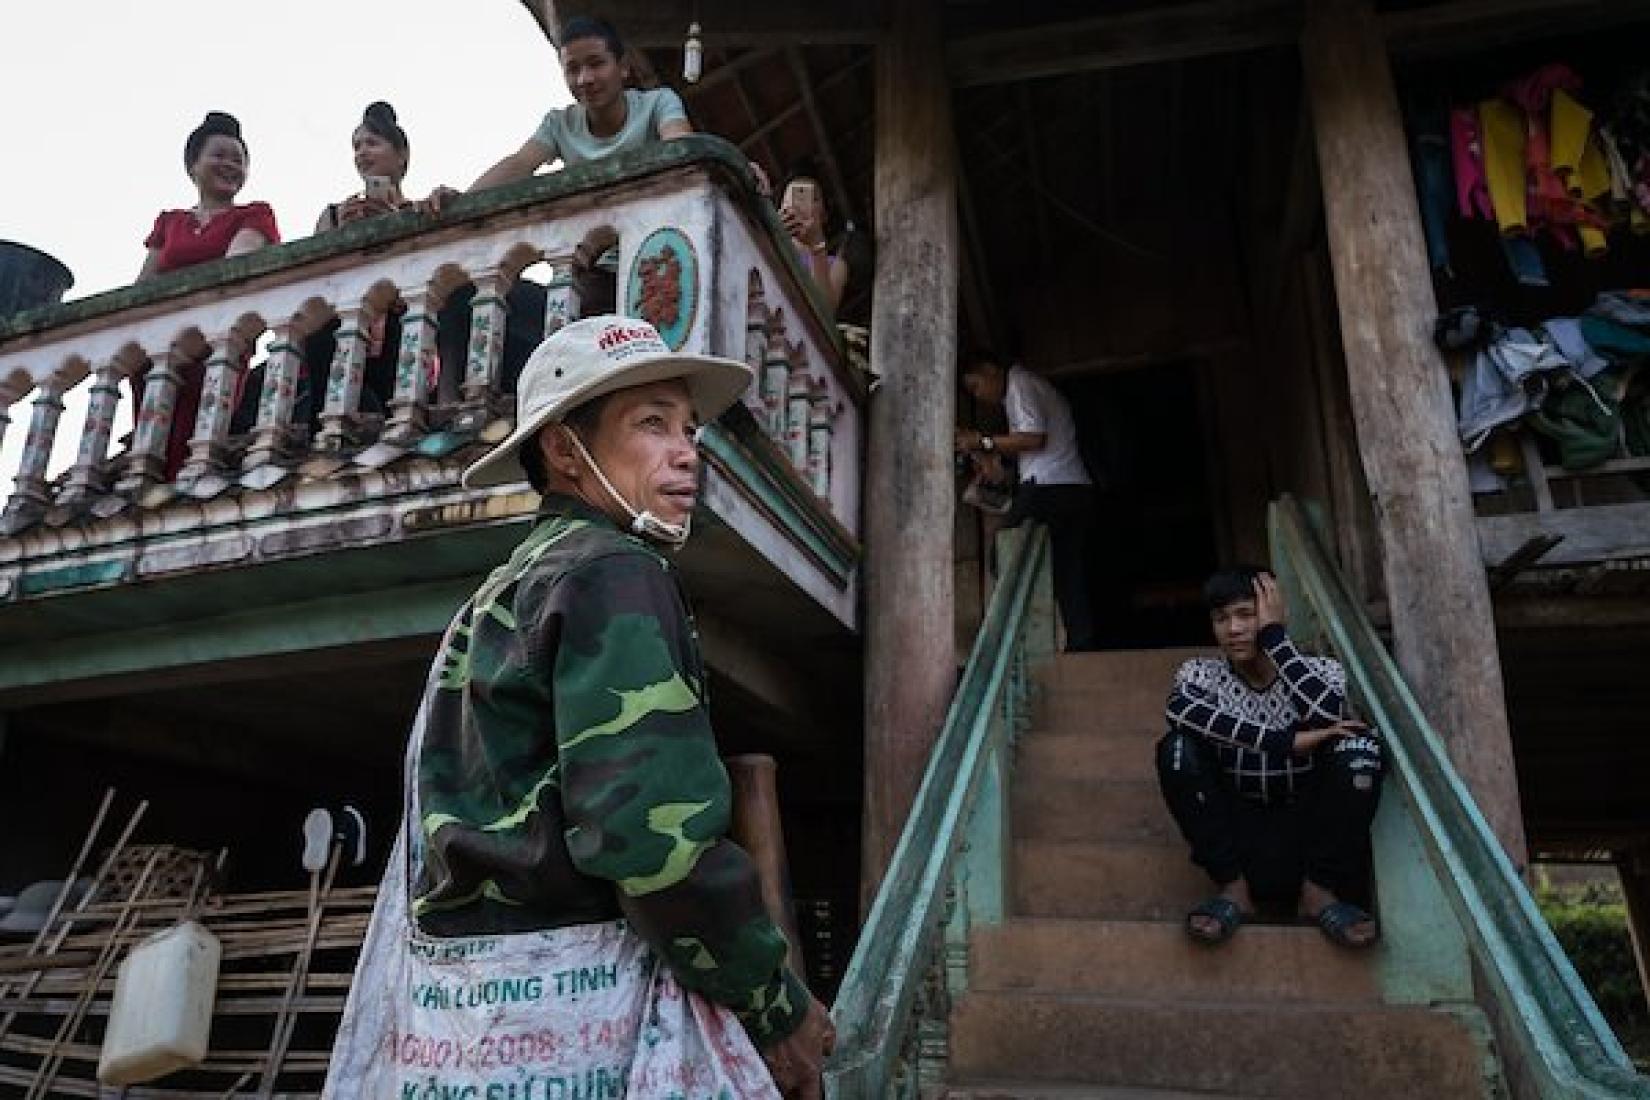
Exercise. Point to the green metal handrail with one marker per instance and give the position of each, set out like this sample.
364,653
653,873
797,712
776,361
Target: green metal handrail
1559,1038
891,1008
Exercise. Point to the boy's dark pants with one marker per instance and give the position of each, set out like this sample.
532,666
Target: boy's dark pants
1321,835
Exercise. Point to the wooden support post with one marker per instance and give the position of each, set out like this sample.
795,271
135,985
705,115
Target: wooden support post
1443,624
1634,869
909,507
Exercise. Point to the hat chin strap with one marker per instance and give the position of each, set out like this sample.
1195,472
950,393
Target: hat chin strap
643,523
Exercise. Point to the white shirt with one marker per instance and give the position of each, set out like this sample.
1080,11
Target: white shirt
1034,405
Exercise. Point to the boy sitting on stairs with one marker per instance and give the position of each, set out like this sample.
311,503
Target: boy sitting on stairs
1272,784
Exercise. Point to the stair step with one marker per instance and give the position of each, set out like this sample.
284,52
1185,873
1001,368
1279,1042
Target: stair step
1112,691
1257,1048
1033,1090
1119,666
1140,880
1137,716
1272,963
1077,808
1044,756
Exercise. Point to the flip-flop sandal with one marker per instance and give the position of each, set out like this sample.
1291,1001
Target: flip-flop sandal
1223,911
1337,920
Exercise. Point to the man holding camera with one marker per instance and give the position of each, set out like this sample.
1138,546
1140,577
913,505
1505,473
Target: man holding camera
1055,487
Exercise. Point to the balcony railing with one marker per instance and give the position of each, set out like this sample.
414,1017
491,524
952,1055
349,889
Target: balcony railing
699,254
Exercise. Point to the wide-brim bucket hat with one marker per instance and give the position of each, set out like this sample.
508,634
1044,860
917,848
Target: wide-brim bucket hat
590,358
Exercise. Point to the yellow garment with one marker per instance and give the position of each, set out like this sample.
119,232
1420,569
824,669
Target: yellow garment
1502,126
1591,183
1592,178
1571,123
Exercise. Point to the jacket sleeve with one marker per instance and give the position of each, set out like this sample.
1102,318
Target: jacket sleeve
1193,706
1319,691
647,800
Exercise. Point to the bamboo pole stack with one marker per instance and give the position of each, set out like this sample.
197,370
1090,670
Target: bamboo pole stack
288,957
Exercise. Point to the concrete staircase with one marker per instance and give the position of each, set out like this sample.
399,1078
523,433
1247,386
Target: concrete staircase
1091,988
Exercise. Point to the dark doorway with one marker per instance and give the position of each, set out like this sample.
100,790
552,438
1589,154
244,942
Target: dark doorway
1155,539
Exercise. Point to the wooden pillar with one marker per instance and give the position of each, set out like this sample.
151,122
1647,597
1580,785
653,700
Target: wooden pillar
1443,624
910,665
1634,869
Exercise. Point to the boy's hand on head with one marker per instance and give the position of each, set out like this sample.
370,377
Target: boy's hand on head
1270,606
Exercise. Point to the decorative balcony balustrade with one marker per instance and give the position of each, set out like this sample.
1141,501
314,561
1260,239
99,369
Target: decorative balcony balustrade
388,367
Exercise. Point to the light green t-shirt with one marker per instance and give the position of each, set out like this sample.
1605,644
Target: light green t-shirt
566,131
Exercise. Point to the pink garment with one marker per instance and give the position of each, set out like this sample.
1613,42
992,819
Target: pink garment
1472,191
1534,91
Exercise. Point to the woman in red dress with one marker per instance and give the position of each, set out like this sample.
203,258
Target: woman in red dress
215,227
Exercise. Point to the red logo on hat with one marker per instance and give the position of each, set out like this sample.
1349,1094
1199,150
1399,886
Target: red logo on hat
616,337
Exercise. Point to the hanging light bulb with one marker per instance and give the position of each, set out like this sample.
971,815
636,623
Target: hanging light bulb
693,56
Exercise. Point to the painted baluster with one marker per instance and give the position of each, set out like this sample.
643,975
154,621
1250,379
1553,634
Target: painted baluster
146,464
278,400
345,378
776,373
819,440
209,445
37,448
487,316
561,301
798,410
90,471
414,363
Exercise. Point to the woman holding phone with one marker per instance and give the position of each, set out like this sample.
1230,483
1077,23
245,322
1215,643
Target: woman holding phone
806,217
382,153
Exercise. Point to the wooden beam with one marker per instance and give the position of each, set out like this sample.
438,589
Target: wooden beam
774,165
1159,33
1515,612
822,137
1590,534
656,24
1029,132
1443,625
979,294
798,107
1534,549
728,70
910,665
1481,25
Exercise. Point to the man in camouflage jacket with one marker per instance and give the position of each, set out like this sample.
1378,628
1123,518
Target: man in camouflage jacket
568,772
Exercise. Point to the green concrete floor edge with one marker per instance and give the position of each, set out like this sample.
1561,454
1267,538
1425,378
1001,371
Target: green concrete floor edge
387,615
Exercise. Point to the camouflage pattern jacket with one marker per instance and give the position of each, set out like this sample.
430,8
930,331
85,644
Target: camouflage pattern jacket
569,774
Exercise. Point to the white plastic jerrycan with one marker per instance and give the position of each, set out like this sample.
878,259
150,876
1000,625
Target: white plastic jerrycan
162,1012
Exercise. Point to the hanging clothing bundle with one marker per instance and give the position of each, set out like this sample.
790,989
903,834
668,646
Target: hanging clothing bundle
1537,161
1576,380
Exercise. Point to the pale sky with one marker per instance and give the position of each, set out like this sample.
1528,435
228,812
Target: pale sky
102,94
